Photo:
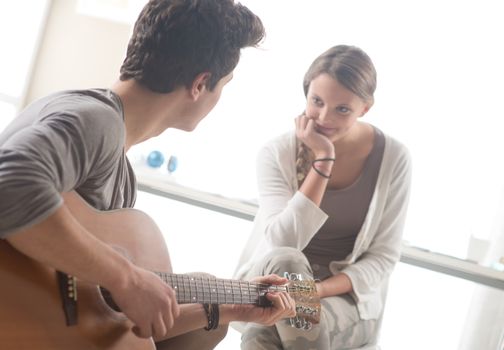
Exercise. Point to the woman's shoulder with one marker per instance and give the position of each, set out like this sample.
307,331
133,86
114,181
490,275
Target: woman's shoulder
393,145
286,140
279,151
396,154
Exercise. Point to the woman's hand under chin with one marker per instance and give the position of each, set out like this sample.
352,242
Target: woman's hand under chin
319,144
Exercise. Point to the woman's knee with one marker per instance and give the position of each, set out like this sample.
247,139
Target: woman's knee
257,337
285,260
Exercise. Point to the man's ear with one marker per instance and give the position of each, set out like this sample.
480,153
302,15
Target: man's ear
199,85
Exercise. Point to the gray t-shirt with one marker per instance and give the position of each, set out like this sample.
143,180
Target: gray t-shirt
70,140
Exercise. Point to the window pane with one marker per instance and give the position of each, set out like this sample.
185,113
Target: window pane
114,10
439,312
7,113
20,23
439,77
194,235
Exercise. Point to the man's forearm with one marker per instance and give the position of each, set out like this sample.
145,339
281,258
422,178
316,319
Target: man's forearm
63,244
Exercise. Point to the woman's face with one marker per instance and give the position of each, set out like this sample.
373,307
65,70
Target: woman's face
333,108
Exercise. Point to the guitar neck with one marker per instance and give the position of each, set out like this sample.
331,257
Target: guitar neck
191,289
199,289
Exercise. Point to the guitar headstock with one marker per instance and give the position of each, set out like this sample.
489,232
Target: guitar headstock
307,301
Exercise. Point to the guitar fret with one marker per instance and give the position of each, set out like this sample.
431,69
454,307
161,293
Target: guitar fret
253,291
203,289
218,300
200,289
193,298
209,290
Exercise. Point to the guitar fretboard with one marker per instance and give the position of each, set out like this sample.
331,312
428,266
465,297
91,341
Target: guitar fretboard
199,289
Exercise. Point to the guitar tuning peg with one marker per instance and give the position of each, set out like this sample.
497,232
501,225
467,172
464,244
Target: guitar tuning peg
307,326
293,276
300,323
295,322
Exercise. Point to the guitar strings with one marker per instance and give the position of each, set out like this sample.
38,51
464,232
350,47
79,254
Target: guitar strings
194,289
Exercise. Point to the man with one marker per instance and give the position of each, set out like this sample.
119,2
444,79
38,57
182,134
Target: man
180,56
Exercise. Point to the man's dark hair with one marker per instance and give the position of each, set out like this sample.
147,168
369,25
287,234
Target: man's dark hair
175,40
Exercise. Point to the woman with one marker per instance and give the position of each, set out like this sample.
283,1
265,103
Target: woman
332,204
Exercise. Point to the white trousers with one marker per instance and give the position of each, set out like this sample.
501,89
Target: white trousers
340,326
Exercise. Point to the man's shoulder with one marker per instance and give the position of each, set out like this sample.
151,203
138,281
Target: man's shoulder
91,111
83,102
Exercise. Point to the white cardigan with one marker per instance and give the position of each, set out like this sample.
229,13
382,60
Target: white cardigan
286,217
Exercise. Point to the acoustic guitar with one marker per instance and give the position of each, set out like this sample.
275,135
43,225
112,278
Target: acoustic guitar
31,311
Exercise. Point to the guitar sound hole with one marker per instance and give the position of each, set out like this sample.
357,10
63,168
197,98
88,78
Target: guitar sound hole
109,300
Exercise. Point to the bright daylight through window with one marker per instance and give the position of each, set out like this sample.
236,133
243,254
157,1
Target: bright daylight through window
439,79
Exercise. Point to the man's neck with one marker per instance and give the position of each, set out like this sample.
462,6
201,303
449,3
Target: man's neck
146,113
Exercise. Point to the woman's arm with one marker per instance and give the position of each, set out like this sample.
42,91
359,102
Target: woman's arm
315,182
290,216
335,285
286,216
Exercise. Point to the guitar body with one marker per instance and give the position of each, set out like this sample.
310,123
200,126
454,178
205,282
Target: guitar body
31,311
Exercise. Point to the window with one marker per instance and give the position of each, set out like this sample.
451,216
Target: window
20,29
124,11
440,79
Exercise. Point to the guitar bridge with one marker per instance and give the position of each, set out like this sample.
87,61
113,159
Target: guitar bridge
68,291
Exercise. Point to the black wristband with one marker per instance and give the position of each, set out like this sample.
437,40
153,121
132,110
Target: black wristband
215,314
320,173
212,313
324,159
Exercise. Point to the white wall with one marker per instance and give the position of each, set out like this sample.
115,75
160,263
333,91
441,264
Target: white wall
77,51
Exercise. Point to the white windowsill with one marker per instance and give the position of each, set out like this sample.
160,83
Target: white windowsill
246,210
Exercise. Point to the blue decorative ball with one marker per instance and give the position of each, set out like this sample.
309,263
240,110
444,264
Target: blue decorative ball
155,159
172,164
